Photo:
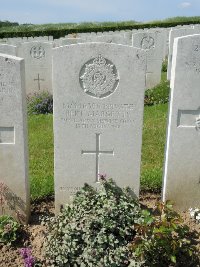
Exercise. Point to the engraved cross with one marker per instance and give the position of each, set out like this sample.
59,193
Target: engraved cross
38,80
189,118
97,152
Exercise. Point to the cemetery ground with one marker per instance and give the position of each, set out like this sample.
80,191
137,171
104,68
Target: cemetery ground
41,175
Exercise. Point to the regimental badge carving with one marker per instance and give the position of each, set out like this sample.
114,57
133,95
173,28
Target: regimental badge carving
198,123
37,52
99,77
147,42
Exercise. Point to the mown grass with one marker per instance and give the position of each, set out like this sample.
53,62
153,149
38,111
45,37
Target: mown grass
41,155
154,136
154,131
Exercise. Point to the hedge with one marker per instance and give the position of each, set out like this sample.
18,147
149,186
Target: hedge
57,33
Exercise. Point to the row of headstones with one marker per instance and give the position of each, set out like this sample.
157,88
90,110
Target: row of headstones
98,113
37,53
38,57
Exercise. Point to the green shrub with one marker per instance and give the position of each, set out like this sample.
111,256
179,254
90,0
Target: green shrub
40,103
163,240
108,228
9,229
151,180
95,229
158,94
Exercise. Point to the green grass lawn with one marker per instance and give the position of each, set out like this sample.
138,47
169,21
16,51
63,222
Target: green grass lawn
41,150
41,154
154,137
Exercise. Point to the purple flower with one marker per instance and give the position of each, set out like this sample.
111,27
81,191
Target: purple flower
28,258
102,176
29,261
25,252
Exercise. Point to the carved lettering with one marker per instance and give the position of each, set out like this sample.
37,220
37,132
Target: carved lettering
97,116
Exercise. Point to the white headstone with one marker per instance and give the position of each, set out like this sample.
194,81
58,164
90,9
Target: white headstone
41,38
69,41
38,66
15,41
181,182
8,49
3,41
98,113
14,185
116,39
107,38
174,33
152,42
50,38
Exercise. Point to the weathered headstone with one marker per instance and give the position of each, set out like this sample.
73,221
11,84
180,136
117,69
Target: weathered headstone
14,186
38,66
181,182
15,41
98,111
174,33
69,41
152,42
116,39
3,41
8,49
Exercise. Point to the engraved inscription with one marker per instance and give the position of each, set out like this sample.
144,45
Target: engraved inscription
7,135
147,42
38,81
189,118
99,77
97,153
37,52
72,190
193,62
97,115
6,83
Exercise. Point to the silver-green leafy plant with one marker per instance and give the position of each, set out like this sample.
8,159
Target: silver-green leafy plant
95,229
9,229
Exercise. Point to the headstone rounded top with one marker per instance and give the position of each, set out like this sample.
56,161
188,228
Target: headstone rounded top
99,77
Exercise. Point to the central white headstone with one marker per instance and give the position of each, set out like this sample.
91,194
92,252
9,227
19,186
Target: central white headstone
98,114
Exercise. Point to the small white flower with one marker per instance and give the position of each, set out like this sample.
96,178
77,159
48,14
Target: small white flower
192,213
195,214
